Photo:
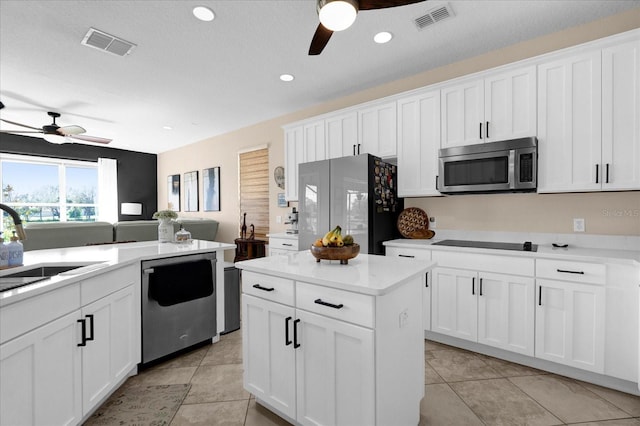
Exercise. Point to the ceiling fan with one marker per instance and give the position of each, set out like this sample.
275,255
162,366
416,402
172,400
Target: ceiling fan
54,133
338,15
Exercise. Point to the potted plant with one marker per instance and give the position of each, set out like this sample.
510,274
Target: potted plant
165,228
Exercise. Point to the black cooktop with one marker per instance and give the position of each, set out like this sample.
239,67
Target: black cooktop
9,283
527,246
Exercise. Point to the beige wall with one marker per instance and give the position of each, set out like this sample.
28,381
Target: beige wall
605,213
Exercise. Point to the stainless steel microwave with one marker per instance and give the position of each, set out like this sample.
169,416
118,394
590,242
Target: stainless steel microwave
505,166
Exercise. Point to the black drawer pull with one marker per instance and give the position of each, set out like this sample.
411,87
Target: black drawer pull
566,271
295,334
287,244
406,255
331,305
84,332
259,287
287,341
90,318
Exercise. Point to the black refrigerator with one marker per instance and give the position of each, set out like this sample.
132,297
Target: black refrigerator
359,193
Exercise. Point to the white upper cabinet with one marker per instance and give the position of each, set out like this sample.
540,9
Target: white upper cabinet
418,144
341,135
497,107
314,146
621,117
569,124
377,130
293,155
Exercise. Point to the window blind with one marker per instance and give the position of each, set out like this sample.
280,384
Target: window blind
254,191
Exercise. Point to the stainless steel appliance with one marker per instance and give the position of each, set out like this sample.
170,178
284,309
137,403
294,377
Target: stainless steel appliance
356,192
178,303
505,166
527,246
292,219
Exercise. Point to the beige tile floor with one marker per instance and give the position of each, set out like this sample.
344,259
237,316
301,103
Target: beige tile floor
462,388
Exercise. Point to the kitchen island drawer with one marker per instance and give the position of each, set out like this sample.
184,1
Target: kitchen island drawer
335,303
583,272
268,287
283,243
511,265
410,253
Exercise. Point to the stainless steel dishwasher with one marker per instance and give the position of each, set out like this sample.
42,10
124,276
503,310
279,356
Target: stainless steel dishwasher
178,304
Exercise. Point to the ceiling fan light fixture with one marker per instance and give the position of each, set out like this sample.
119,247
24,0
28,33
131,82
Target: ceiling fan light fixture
56,139
203,13
337,15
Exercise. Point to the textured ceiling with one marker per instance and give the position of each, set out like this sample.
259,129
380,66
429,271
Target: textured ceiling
208,78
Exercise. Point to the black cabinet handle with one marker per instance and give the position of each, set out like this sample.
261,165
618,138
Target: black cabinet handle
90,318
566,271
436,182
597,173
354,149
287,244
259,287
84,332
406,255
426,280
358,149
480,286
480,130
295,334
473,286
487,130
540,296
287,341
607,181
331,305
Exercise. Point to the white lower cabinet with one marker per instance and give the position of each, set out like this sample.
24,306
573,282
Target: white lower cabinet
41,376
488,308
570,324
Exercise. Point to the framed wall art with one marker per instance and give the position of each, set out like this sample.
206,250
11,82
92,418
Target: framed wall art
211,189
173,193
191,191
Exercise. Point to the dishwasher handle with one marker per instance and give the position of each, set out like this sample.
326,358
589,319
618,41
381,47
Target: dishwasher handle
148,271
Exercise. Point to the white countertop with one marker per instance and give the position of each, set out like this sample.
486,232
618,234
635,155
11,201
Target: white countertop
366,274
545,251
99,259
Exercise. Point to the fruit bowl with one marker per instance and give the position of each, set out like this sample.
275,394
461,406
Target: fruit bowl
343,254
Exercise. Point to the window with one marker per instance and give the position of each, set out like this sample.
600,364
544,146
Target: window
254,191
48,190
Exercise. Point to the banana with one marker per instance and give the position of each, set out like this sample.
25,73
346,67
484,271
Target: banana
333,238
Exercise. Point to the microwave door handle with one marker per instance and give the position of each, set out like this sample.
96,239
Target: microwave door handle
512,169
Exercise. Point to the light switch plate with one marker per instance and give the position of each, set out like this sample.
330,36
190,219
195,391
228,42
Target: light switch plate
578,225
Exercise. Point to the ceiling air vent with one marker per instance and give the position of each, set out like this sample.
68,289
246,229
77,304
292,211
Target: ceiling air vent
107,43
437,14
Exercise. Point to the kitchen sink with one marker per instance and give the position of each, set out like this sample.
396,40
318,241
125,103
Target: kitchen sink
40,273
43,271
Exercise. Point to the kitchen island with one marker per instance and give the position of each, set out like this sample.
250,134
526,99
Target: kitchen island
325,343
68,341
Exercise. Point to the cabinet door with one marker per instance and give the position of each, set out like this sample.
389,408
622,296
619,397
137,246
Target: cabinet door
314,146
506,312
510,105
341,135
293,155
570,324
377,134
268,353
41,378
569,124
454,306
418,144
109,356
335,372
621,117
462,114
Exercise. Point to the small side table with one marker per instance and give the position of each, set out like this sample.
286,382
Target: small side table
249,249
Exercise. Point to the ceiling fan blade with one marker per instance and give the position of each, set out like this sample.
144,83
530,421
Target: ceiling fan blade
20,131
320,40
21,125
71,130
383,4
88,138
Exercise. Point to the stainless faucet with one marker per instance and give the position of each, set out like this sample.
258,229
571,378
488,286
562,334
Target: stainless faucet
16,220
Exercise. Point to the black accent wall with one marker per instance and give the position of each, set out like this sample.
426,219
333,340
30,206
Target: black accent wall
137,171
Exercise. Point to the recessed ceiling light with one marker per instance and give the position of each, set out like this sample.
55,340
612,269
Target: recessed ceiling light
167,127
203,13
286,77
382,37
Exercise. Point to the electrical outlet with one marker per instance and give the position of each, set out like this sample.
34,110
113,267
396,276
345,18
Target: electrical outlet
578,225
404,318
278,219
432,222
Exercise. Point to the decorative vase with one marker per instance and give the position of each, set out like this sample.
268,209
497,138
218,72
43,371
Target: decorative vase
165,230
